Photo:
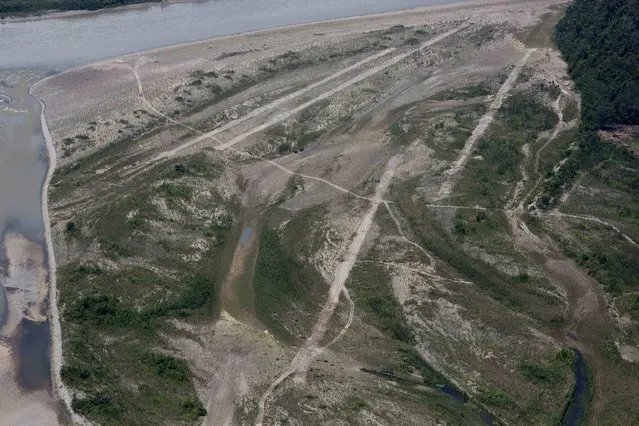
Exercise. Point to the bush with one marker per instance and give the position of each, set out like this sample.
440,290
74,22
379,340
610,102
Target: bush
192,408
495,397
166,366
72,228
99,406
102,311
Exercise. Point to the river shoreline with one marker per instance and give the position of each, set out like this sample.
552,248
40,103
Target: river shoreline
56,14
59,389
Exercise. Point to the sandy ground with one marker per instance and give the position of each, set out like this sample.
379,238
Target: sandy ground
25,278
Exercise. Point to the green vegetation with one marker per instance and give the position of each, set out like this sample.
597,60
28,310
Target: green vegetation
558,370
605,255
399,135
160,378
465,92
489,181
484,229
281,280
32,6
512,292
495,398
117,312
198,165
609,88
448,133
372,293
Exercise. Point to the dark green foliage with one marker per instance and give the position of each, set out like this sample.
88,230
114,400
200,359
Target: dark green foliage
630,305
495,398
466,92
101,311
440,243
100,406
275,273
603,59
173,191
30,6
411,41
283,279
598,39
192,408
355,403
113,248
166,366
610,350
556,371
520,120
609,260
411,360
197,165
200,292
371,285
72,228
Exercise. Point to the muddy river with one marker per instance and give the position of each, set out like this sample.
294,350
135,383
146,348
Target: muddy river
30,50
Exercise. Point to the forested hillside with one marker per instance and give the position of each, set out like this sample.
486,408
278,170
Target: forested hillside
599,40
18,7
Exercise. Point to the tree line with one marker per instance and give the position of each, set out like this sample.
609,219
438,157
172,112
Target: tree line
21,7
599,40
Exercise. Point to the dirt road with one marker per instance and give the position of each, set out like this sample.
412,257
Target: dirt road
481,128
311,347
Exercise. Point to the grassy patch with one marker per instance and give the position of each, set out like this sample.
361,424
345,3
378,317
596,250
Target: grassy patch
372,292
489,181
465,92
507,290
485,229
199,165
556,371
495,398
447,133
281,281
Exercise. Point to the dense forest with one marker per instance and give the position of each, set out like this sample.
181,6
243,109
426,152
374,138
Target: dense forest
599,39
23,7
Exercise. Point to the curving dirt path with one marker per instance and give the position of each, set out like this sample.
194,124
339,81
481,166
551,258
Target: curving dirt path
431,259
310,349
597,220
459,164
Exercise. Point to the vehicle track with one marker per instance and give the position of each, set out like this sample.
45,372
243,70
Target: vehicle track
141,168
485,121
288,113
310,349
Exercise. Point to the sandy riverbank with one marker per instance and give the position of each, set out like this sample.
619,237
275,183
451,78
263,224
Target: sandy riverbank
60,390
24,275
